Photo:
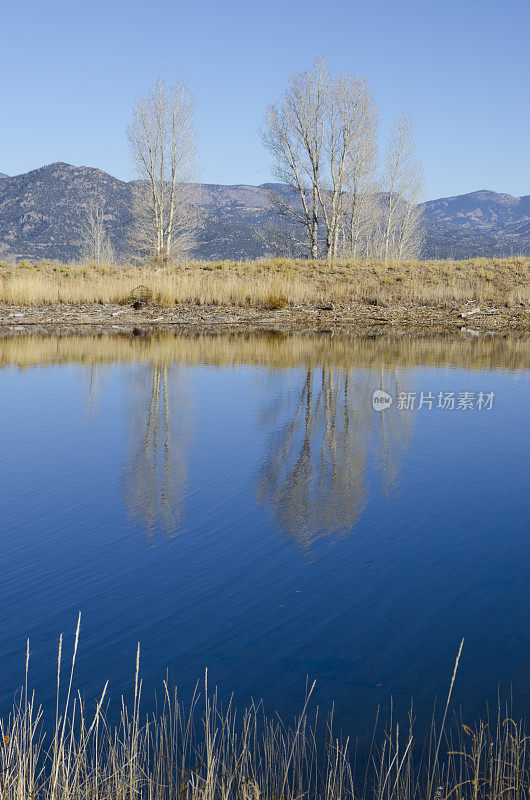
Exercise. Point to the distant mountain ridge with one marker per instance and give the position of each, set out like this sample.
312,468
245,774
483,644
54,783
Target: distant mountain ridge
42,216
478,223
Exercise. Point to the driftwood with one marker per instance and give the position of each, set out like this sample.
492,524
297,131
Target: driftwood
478,310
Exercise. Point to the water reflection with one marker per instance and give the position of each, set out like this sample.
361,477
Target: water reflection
94,383
393,431
378,614
159,431
272,352
323,437
314,474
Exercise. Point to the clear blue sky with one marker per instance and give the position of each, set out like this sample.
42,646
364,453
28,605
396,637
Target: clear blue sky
71,71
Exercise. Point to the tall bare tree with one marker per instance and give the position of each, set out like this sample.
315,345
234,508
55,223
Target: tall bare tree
163,146
402,185
410,236
350,151
95,243
293,132
359,212
320,134
362,222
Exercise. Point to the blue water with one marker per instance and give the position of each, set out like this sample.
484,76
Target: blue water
268,524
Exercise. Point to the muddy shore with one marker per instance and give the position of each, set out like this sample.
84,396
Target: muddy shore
361,319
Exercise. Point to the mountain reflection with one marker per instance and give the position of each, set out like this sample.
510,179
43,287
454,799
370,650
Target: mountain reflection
314,477
156,470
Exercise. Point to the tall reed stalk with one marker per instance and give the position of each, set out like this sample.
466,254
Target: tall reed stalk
207,753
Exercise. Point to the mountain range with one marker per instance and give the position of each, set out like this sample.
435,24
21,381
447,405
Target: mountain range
42,215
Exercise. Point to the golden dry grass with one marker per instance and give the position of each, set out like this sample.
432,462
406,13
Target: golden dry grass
273,283
207,753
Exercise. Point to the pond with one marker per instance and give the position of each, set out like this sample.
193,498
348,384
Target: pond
245,505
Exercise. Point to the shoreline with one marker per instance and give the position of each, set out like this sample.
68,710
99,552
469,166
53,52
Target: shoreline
357,319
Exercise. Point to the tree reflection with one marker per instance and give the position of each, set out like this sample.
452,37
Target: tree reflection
315,473
326,443
156,472
393,434
94,381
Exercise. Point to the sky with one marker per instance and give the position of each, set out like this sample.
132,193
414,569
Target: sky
71,72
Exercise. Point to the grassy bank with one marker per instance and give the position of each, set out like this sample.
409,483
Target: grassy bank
207,753
273,283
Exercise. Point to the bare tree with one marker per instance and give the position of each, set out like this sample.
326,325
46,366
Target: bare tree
360,213
350,151
293,133
144,233
361,221
95,243
402,185
320,135
322,138
163,146
411,237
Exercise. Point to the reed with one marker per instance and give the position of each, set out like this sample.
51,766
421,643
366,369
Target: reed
207,753
272,283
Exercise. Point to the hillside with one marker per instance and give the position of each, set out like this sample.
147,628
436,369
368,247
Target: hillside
479,223
42,216
42,212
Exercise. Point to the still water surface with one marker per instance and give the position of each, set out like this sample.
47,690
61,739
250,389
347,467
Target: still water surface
238,504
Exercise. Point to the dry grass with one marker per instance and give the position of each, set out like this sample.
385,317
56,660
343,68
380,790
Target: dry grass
208,753
273,283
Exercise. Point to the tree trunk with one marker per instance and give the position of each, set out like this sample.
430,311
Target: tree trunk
314,226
